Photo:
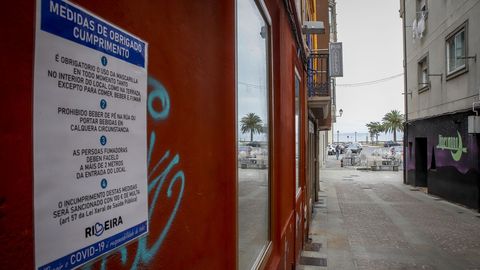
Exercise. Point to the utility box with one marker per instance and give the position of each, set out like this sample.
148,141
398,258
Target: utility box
473,124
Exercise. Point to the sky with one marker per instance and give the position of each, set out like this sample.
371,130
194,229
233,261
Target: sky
252,67
371,33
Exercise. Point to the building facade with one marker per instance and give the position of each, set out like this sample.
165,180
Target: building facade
441,44
222,193
321,86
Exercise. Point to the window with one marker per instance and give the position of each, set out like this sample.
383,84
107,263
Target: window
456,47
297,130
253,134
423,78
420,24
422,9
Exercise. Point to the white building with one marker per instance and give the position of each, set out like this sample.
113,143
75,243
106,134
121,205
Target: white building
441,45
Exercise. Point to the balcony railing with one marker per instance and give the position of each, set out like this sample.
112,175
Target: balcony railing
318,81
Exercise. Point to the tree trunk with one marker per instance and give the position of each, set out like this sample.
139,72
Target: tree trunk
395,135
251,135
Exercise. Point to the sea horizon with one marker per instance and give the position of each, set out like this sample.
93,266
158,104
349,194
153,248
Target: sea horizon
362,137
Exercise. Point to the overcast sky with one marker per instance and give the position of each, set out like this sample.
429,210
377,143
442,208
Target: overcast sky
252,67
371,32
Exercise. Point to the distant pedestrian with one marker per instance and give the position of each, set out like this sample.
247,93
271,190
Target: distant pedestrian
393,151
337,150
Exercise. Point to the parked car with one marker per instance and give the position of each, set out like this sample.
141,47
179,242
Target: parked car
355,148
391,143
254,144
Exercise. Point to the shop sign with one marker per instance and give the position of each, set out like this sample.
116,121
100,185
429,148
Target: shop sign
454,144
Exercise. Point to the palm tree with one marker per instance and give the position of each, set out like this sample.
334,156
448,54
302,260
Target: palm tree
251,123
374,128
393,121
370,127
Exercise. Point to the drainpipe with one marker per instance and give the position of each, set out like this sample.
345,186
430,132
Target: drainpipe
405,94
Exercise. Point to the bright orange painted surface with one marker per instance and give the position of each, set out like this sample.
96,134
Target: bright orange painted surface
192,54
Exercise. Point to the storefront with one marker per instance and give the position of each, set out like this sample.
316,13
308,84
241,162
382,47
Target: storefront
443,157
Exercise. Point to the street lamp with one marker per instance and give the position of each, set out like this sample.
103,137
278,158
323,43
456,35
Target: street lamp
340,113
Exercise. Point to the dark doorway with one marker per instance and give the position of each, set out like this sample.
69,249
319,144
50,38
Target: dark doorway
433,165
421,162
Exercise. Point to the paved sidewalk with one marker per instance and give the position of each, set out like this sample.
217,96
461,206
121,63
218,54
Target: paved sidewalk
370,220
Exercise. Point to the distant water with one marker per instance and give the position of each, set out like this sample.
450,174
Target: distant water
361,137
344,137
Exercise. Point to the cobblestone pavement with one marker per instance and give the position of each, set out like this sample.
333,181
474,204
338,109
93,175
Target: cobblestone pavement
371,220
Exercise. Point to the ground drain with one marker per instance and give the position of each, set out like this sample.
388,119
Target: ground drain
414,189
313,246
313,261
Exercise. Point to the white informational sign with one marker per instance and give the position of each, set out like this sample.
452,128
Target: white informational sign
336,59
90,148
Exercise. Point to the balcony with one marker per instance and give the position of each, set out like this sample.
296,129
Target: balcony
319,89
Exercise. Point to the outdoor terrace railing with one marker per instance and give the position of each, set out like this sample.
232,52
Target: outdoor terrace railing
318,81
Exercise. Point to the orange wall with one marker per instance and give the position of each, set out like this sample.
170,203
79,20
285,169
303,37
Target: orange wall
192,55
322,15
284,190
191,52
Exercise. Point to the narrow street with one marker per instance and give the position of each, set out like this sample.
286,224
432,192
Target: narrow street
371,220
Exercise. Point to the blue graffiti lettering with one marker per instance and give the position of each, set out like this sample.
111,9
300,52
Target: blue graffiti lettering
158,92
145,254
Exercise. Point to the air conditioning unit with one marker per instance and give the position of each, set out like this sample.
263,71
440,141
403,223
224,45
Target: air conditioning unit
473,124
313,27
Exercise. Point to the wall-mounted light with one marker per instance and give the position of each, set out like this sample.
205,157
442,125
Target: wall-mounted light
339,113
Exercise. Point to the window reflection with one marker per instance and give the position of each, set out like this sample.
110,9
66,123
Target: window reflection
456,52
297,130
253,133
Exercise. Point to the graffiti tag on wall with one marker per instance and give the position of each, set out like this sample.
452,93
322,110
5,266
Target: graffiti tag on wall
163,176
